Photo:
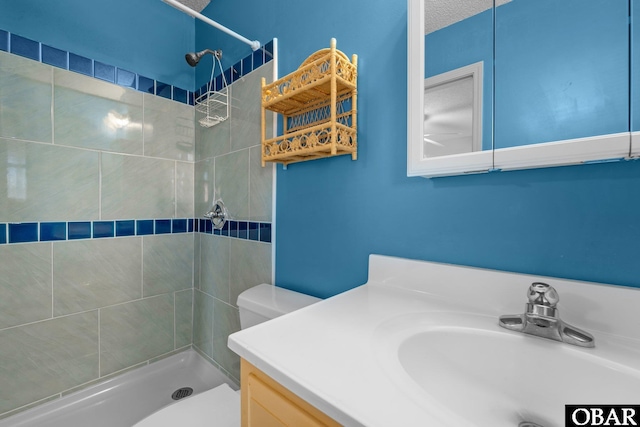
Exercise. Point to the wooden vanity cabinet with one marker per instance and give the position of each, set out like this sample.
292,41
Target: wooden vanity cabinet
266,403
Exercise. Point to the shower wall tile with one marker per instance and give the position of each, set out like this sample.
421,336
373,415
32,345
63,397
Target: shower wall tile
203,322
167,263
70,144
245,112
90,113
232,182
196,260
213,141
250,265
95,273
214,266
44,358
260,187
25,99
203,186
25,283
168,129
226,320
184,189
42,182
184,318
137,187
135,332
154,293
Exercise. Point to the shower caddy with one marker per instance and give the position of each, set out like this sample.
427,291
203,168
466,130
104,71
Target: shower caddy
214,103
318,105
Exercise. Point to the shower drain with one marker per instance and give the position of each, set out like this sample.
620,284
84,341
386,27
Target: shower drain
181,393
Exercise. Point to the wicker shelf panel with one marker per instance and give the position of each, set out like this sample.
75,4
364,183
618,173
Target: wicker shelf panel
316,142
318,104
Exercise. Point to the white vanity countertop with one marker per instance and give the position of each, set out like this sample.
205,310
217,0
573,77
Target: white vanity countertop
326,353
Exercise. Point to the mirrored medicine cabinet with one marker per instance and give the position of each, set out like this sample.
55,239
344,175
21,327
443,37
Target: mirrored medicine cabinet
516,84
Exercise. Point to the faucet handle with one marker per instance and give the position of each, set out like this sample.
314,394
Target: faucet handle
542,294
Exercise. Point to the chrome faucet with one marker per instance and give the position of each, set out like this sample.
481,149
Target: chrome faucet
541,318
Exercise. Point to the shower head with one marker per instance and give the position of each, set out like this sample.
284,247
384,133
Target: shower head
194,57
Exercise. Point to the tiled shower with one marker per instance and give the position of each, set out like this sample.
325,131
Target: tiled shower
104,265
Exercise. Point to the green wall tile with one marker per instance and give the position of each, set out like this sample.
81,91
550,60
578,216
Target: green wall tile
213,141
168,263
137,187
184,318
133,332
169,129
250,265
90,113
226,320
214,266
232,182
34,176
25,283
48,357
88,274
25,99
260,187
184,190
203,322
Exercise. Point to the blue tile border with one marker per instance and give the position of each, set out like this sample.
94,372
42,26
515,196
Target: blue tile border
104,72
24,47
56,57
79,230
23,232
48,231
4,40
18,45
103,229
144,227
13,43
163,226
125,228
235,72
179,226
80,64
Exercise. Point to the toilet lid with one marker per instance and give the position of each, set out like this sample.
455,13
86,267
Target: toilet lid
221,404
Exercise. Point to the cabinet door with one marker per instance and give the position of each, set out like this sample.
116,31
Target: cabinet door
265,403
268,408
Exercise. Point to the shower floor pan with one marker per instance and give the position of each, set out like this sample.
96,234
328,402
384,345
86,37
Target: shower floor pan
126,399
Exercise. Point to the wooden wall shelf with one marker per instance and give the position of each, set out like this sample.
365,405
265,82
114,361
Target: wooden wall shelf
318,103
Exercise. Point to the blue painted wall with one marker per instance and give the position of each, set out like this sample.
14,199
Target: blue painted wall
576,222
146,37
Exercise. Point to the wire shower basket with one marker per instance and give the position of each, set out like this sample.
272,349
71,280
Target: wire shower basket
214,104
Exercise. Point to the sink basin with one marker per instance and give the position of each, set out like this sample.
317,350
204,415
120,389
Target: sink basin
468,371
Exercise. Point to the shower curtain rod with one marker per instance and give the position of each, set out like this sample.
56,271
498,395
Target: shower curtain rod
255,44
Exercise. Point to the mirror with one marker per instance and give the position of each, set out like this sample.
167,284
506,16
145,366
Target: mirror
562,70
458,67
635,78
559,93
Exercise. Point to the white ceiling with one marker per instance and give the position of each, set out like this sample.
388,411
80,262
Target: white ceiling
442,13
196,5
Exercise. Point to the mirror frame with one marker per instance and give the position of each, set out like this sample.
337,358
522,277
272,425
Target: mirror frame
596,149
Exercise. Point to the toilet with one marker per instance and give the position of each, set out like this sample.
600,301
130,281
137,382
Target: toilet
222,403
265,302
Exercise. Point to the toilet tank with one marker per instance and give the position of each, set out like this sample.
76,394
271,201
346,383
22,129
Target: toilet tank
265,302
